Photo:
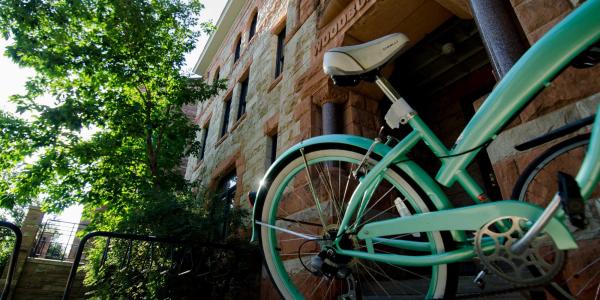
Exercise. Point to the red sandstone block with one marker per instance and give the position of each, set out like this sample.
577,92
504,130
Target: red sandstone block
533,14
506,175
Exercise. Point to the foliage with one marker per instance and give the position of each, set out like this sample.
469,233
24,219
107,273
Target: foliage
7,237
55,251
115,137
113,67
182,269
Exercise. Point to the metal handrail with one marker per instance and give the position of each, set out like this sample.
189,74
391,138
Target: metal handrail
126,236
14,257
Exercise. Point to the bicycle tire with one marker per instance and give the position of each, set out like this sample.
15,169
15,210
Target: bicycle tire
286,273
579,278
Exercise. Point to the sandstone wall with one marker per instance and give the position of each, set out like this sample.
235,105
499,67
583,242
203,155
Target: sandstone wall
571,96
270,101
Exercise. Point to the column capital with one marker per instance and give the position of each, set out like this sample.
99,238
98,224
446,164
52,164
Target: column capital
330,93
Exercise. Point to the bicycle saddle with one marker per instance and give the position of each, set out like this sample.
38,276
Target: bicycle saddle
362,58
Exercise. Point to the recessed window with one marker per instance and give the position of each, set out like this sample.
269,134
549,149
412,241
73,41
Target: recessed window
238,48
226,196
216,75
243,93
280,58
253,26
226,113
272,148
203,141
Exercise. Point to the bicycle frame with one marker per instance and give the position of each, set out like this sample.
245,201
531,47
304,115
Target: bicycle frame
535,70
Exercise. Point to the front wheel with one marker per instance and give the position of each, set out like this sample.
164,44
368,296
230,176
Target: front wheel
303,206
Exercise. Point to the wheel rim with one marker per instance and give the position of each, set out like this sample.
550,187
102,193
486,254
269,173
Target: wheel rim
580,277
293,279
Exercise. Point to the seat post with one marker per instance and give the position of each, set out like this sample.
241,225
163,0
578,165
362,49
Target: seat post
400,107
387,88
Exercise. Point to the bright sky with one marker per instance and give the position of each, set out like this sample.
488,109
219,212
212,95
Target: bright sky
13,78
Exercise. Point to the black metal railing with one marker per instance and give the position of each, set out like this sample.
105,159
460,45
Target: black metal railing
169,257
14,256
55,240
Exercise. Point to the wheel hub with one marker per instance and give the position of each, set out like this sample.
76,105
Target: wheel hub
328,262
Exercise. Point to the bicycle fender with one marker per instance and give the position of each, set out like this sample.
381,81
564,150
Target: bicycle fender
414,171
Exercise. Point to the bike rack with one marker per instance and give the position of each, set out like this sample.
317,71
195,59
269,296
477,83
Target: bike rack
126,236
13,260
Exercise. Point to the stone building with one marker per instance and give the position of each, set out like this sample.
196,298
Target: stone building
271,53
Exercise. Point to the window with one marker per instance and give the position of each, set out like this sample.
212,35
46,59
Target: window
280,58
273,149
225,199
226,117
243,93
216,75
253,26
203,145
238,47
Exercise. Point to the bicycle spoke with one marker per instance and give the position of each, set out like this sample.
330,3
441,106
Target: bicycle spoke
333,198
312,190
374,279
310,193
584,269
587,283
409,271
376,202
298,222
395,282
367,281
308,237
347,185
328,187
317,287
377,215
329,287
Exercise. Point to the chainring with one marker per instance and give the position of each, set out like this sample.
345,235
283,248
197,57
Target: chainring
538,264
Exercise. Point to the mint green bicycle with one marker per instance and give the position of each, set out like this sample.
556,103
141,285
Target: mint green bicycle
346,217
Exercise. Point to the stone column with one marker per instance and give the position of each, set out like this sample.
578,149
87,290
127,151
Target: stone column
330,117
329,98
29,228
499,32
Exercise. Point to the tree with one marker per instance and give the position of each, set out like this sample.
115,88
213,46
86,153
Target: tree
113,67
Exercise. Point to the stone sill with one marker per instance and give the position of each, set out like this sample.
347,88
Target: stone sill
224,137
198,165
238,122
251,41
274,82
235,64
49,261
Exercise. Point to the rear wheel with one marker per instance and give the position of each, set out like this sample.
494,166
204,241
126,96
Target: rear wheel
303,206
580,277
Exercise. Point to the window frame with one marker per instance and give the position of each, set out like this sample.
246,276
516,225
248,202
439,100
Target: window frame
253,24
226,116
226,194
203,140
243,96
280,52
273,150
238,49
216,75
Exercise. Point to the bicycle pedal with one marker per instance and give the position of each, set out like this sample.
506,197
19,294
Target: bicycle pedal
479,281
571,200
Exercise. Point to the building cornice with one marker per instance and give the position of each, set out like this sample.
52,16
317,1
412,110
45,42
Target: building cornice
226,20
